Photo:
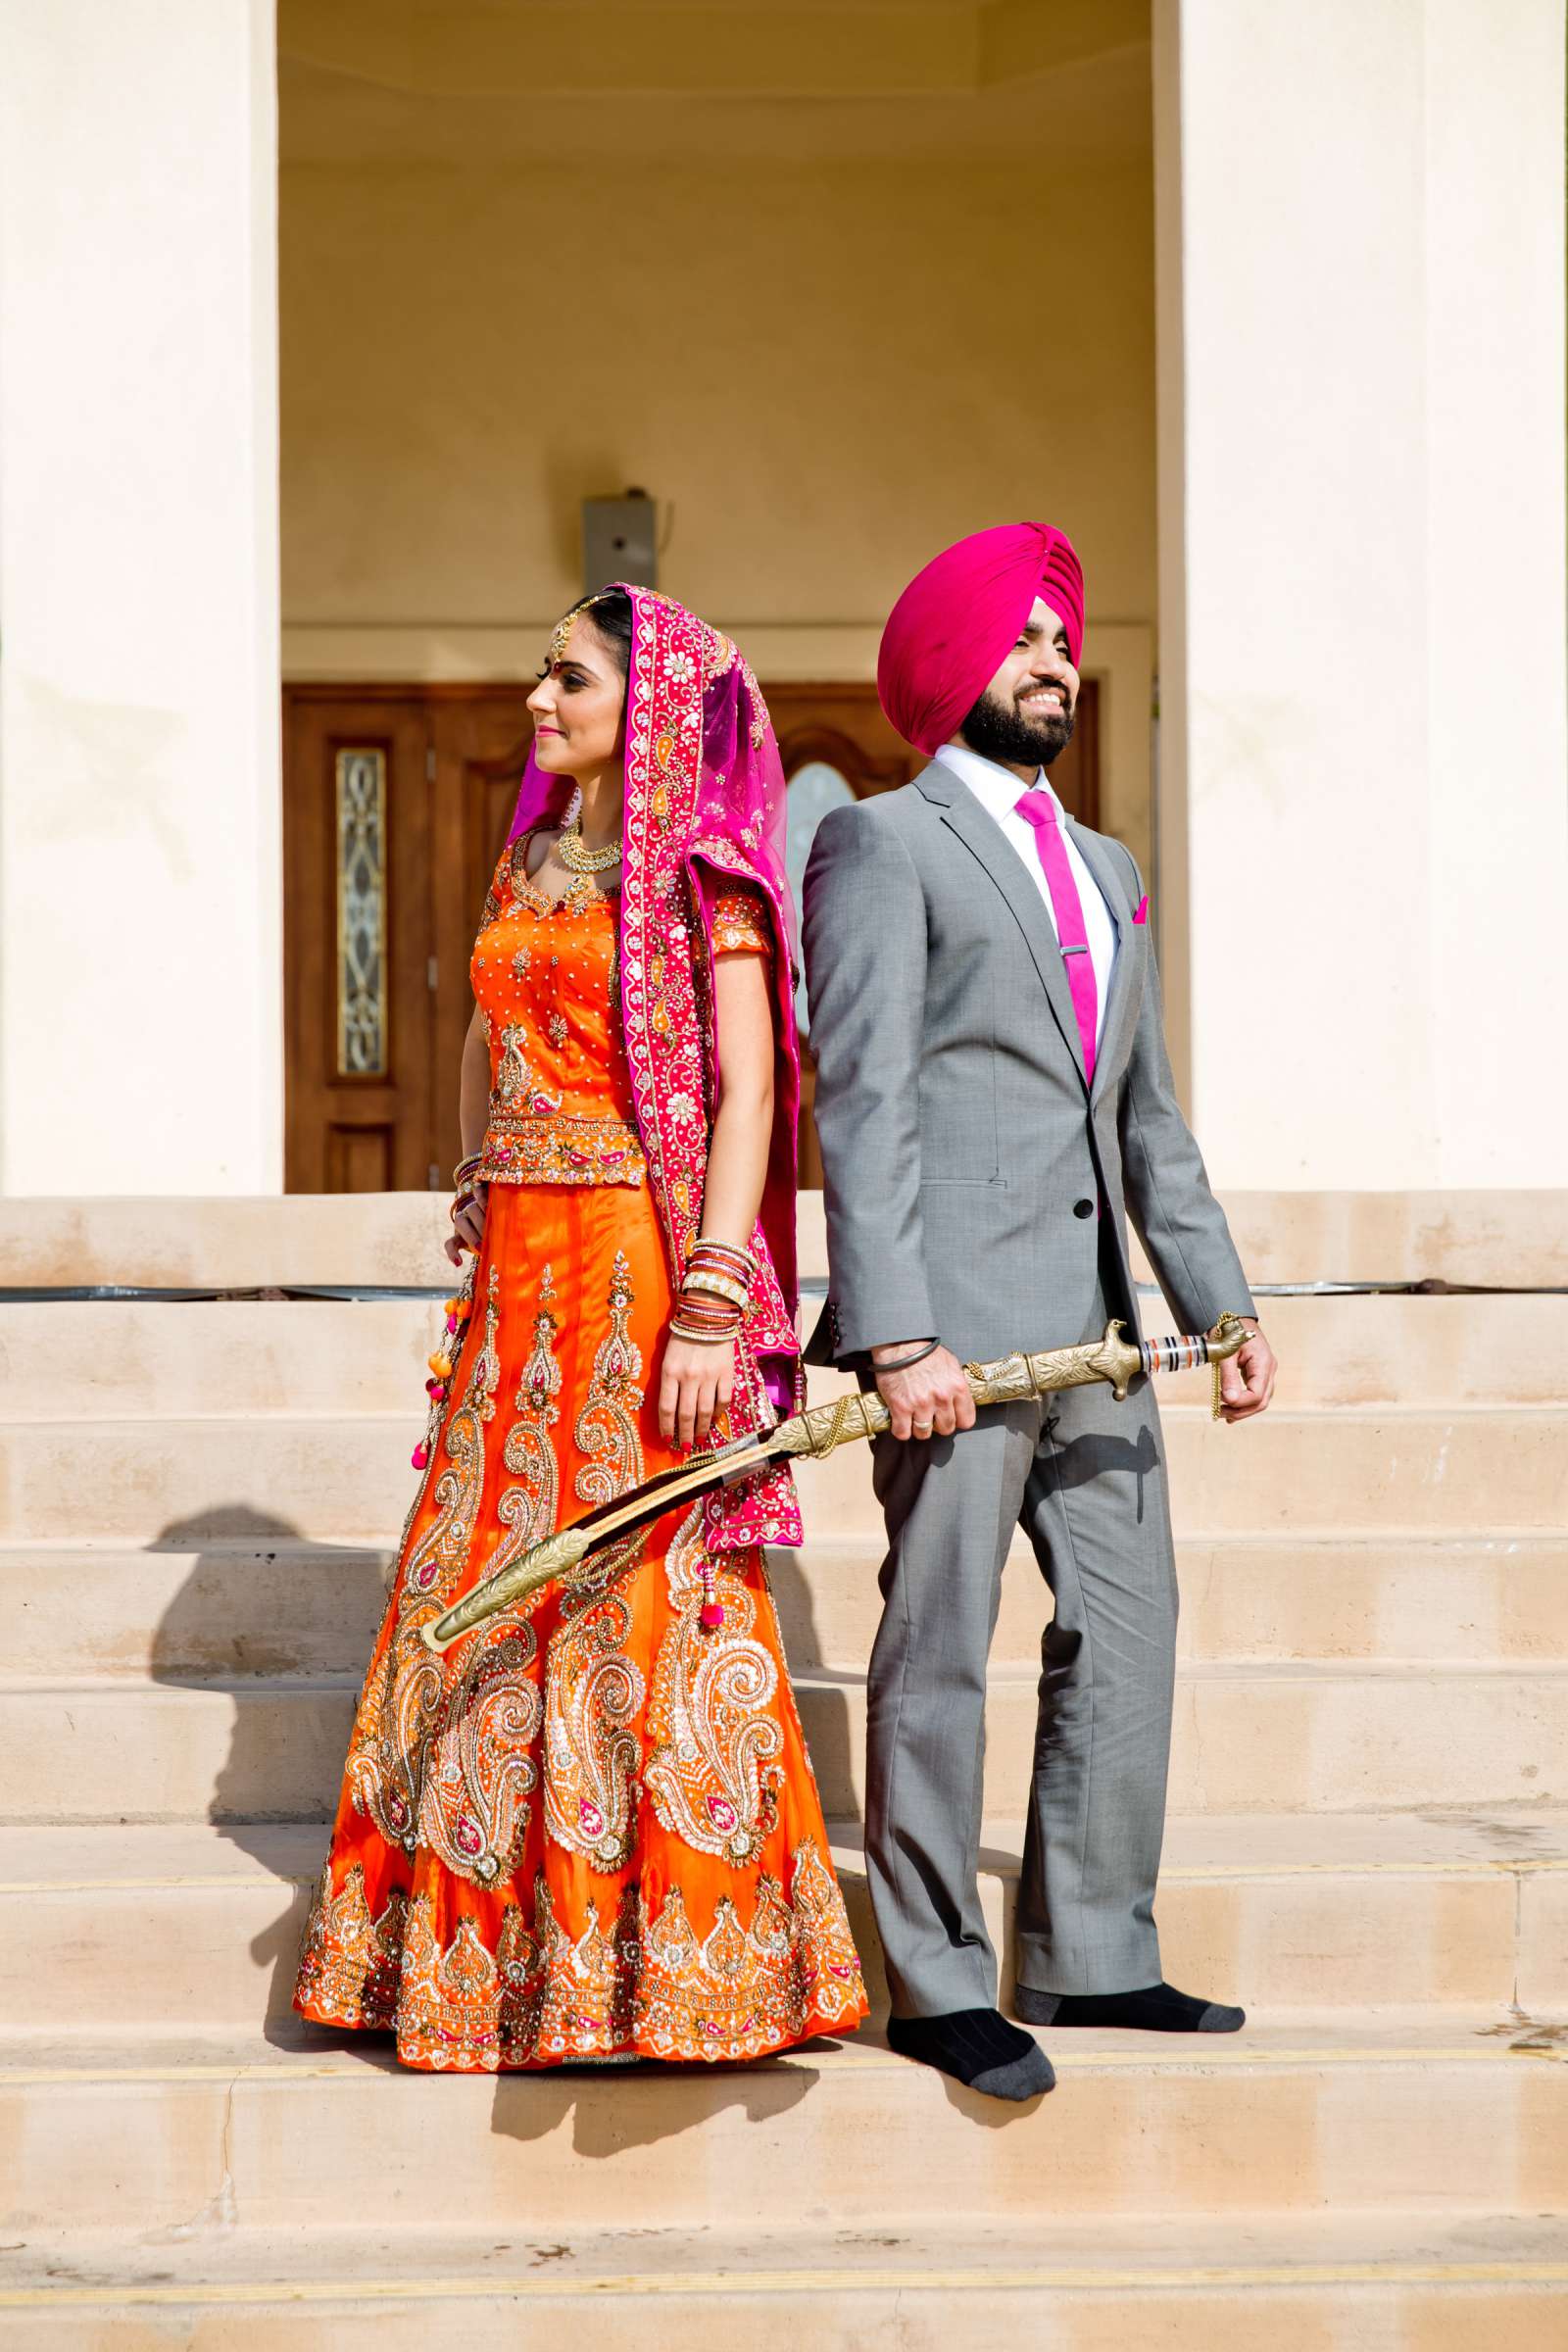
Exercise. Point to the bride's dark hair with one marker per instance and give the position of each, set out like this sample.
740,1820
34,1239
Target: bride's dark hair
610,610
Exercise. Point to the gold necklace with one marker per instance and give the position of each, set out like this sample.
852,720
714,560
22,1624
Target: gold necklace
579,859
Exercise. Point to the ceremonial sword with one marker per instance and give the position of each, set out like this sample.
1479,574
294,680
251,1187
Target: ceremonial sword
816,1432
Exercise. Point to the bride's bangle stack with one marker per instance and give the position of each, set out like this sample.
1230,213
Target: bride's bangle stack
465,1182
715,1293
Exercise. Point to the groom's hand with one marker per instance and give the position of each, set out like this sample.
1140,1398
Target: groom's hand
933,1398
1246,1379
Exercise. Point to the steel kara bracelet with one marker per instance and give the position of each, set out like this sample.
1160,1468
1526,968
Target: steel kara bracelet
901,1363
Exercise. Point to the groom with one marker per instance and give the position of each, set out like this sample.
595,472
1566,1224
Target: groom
993,1099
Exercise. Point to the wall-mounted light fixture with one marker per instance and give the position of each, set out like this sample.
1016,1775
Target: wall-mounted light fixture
618,541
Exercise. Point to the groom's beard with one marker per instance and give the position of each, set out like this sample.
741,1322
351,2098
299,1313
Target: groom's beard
1003,732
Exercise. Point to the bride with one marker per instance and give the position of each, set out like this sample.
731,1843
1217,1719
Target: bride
591,1830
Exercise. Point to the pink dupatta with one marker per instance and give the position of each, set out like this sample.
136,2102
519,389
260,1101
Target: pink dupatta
705,802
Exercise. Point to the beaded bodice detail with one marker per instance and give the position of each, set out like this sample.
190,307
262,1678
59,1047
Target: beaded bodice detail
546,976
545,980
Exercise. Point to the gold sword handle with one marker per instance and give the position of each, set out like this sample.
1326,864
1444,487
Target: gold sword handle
1011,1380
1016,1378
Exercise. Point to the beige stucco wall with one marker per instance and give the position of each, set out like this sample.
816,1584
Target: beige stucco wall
1362,547
140,874
821,370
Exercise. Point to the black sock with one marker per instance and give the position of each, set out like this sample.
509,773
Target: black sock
977,2047
1154,2009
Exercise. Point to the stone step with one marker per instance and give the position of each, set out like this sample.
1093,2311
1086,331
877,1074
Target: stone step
1362,1470
228,1606
1333,2282
1275,1738
224,1243
1247,1739
107,1358
1503,1239
198,1926
1446,2112
1419,1600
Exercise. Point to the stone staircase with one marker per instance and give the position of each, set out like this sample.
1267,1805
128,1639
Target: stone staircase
1368,1845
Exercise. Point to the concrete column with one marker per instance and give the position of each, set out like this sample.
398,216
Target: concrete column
1364,762
141,873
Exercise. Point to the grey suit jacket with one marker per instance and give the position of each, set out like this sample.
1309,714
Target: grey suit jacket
963,1151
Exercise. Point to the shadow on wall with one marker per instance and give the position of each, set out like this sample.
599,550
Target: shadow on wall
270,1633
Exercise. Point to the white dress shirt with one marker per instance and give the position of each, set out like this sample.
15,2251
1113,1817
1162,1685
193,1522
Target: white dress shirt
999,792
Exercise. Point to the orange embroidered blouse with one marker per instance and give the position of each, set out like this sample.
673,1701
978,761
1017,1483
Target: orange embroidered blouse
546,981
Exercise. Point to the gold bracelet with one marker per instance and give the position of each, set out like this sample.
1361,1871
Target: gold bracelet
730,1249
718,1286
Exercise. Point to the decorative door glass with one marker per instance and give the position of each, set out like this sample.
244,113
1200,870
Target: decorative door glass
361,993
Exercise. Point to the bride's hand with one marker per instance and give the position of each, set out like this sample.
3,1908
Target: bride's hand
468,1227
695,1385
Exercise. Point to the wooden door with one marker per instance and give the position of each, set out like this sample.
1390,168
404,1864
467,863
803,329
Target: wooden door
479,743
396,801
358,1007
396,804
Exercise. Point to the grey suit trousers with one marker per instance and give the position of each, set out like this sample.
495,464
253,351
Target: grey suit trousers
1085,1477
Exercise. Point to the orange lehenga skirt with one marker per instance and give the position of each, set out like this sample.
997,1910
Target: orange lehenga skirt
592,1829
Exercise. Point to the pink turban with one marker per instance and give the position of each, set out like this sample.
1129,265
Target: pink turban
958,621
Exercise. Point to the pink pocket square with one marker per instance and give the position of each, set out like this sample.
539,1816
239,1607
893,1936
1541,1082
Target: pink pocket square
1141,911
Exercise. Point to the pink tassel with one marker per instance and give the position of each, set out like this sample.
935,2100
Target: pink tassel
712,1616
420,1457
452,1322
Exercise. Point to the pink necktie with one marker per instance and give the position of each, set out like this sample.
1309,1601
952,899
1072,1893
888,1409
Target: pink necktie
1071,937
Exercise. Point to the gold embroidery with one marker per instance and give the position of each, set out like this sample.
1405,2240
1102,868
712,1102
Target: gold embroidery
349,1967
514,1076
713,1738
527,1510
478,1765
606,1427
740,925
443,1546
580,892
385,1766
643,1983
593,1690
397,1716
561,1149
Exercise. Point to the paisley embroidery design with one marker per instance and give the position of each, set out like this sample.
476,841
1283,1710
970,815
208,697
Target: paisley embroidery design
398,1714
514,1077
605,1429
527,1509
593,1690
443,1548
479,1770
387,1762
593,1693
714,1740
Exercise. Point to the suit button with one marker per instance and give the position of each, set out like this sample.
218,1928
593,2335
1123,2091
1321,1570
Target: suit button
1083,1209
